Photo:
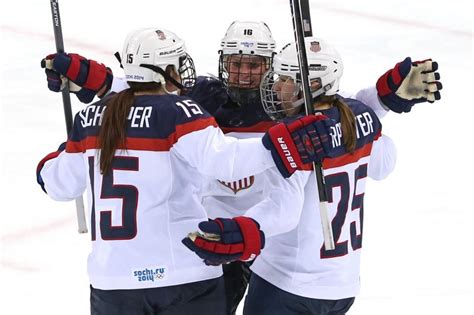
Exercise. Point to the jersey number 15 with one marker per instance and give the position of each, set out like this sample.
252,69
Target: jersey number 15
129,195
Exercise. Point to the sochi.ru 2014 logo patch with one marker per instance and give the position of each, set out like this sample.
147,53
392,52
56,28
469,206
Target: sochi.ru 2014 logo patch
152,274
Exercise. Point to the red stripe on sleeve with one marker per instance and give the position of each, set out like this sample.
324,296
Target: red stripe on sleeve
195,125
48,157
348,158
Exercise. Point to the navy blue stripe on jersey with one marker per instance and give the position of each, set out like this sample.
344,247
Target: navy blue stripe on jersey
144,144
155,123
368,125
369,129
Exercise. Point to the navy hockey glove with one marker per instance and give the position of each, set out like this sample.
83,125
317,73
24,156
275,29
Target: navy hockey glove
48,157
304,140
88,78
210,93
409,83
226,240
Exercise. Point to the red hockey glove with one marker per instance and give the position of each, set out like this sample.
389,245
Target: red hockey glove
87,78
299,142
409,83
226,240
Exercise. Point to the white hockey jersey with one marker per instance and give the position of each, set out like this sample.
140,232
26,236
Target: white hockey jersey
268,189
297,261
146,205
287,210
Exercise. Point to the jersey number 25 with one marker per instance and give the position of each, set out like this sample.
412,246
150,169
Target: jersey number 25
341,180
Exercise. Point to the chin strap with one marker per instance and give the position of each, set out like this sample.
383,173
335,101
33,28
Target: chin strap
314,94
164,74
154,68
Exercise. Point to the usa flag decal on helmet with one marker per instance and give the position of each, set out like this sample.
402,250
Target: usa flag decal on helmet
315,47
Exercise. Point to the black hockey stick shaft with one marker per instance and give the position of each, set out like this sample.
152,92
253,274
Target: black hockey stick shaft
300,33
302,28
58,38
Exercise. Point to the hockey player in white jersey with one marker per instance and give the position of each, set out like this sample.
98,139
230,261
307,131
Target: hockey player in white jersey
295,266
241,115
140,155
246,53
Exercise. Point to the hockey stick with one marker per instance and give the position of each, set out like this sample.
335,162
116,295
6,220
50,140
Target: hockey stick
58,38
302,28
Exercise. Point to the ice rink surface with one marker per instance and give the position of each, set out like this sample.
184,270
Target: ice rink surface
418,239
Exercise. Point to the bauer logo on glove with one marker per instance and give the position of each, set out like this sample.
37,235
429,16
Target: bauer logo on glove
298,142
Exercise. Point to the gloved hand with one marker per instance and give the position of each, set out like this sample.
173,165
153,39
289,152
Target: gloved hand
299,142
210,93
48,157
409,83
226,240
86,78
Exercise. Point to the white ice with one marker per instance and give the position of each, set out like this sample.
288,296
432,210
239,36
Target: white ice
417,231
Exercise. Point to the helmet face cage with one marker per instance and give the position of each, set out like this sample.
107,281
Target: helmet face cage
281,95
246,54
187,72
243,71
243,74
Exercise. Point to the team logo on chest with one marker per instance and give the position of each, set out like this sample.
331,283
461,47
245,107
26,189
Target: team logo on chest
240,184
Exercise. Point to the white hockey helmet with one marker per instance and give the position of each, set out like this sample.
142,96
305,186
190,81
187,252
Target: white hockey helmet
148,51
246,53
250,38
324,64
